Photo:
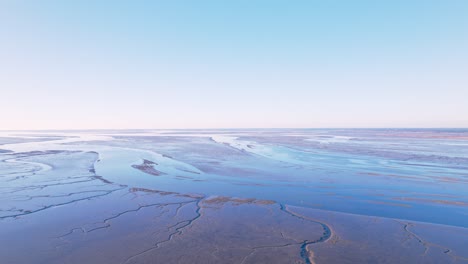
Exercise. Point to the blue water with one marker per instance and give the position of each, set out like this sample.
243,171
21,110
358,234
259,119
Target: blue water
369,183
414,174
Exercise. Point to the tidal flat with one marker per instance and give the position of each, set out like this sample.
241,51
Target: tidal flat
234,196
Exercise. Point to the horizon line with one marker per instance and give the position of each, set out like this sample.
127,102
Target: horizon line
224,128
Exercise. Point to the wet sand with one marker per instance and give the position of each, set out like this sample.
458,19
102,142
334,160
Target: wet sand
148,167
63,203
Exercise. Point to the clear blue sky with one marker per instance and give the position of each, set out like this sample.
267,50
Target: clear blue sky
241,63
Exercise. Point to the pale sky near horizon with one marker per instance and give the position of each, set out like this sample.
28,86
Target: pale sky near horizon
231,64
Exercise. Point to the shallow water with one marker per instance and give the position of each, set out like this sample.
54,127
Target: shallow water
410,175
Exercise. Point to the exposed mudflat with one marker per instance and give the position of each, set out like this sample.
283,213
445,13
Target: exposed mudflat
148,166
254,196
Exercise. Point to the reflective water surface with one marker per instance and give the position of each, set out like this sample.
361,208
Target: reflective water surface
234,196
